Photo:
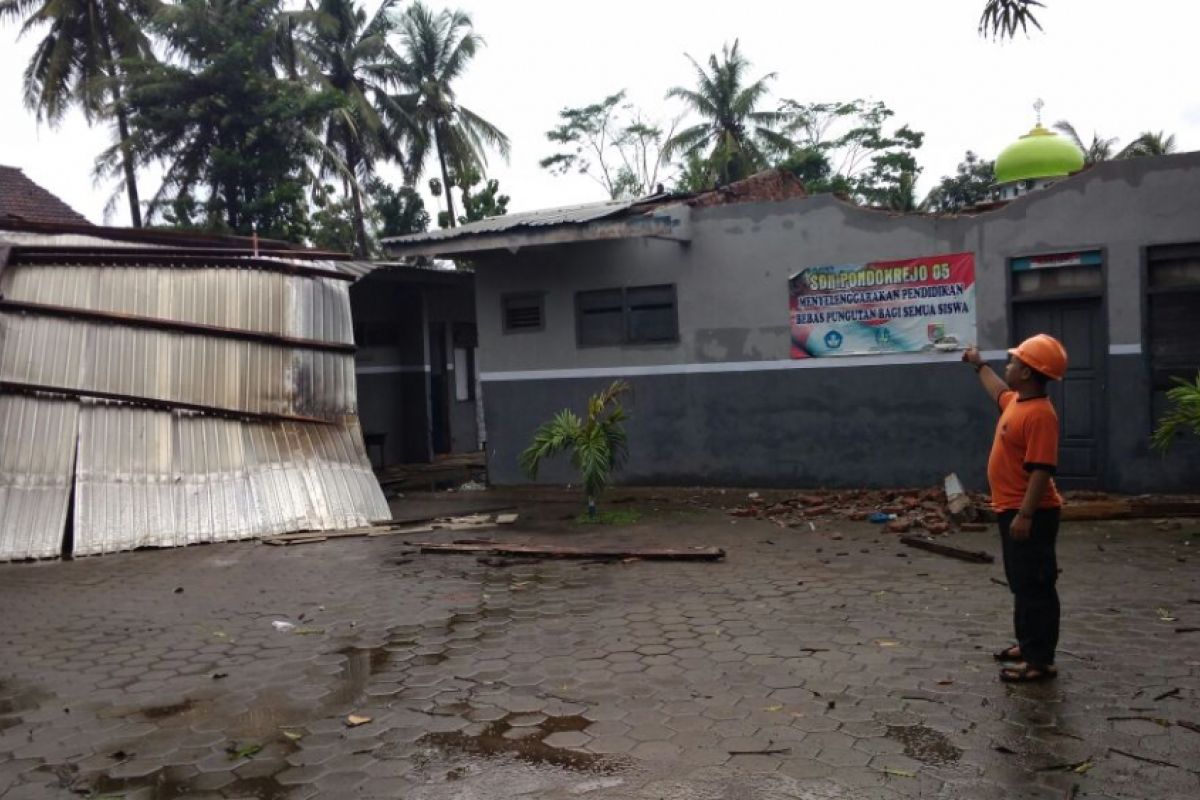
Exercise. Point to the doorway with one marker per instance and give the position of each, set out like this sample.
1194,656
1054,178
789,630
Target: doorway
1079,397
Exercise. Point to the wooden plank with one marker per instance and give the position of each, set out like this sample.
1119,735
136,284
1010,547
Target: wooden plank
975,556
561,551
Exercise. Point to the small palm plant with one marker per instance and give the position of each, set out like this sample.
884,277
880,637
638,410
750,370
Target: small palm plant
597,444
1184,414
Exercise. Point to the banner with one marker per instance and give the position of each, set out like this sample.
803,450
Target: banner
884,307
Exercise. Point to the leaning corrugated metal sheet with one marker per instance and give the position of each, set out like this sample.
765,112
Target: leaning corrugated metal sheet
180,403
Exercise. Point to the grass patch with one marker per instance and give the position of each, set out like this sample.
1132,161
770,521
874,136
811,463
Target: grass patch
623,516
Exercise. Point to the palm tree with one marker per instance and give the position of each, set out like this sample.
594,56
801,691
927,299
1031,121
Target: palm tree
1001,18
436,51
79,62
346,53
597,443
234,137
732,132
1099,150
1149,144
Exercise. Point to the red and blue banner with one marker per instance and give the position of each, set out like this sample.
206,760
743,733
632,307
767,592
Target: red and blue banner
914,305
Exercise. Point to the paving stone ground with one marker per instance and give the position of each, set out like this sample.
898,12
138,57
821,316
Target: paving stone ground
816,664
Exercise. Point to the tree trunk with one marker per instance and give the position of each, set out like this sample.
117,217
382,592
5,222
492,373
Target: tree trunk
135,206
445,177
360,226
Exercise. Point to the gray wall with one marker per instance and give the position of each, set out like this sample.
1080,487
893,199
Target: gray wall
869,425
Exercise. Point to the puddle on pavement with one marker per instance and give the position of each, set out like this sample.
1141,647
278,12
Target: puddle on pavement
532,749
925,744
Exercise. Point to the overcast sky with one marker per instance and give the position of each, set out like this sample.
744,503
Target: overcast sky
1118,75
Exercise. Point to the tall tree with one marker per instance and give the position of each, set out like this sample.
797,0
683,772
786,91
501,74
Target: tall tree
1149,143
971,184
79,62
348,54
612,143
1100,149
437,49
849,148
234,137
400,211
734,134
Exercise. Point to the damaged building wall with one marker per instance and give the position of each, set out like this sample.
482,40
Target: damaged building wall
724,404
177,401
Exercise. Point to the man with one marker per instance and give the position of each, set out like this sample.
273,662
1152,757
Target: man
1020,472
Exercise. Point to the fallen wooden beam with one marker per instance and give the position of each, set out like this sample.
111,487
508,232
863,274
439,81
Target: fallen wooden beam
560,551
974,556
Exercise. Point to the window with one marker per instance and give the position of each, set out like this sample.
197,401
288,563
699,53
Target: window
522,313
634,315
1172,308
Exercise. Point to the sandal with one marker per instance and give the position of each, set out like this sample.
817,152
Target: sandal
1028,673
1011,653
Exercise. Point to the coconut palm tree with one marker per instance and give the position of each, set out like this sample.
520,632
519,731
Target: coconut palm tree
1001,18
1149,144
1099,150
733,133
79,62
348,54
436,50
597,442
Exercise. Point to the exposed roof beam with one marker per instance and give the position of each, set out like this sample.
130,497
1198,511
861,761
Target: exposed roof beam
673,228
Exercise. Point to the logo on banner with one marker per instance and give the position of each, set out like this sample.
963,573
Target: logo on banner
833,340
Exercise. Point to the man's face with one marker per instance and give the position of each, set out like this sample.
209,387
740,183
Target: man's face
1014,372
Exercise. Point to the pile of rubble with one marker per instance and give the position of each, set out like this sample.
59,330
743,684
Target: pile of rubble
937,510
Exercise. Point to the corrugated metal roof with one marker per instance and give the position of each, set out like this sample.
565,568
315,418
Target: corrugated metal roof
210,480
168,475
563,215
35,476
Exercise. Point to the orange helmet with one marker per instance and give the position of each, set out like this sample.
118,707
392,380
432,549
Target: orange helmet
1044,353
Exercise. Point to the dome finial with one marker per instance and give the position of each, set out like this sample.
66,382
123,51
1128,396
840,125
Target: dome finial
1038,105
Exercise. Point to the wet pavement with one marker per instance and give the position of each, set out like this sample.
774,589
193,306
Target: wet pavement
814,664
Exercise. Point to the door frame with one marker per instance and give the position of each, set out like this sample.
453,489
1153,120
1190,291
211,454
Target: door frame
1011,303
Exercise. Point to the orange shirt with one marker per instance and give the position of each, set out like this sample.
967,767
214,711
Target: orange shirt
1026,438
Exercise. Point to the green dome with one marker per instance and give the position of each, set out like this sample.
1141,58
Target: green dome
1038,154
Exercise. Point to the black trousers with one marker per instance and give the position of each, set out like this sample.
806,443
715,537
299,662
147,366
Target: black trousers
1031,567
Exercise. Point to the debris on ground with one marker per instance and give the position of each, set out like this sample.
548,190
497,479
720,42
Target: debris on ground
283,626
974,556
1099,506
354,720
466,522
560,551
936,510
450,473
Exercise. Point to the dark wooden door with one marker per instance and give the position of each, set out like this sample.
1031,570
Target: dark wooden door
439,389
1079,398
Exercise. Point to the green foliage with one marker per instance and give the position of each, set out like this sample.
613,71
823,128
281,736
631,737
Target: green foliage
733,136
1100,149
971,184
597,443
398,211
344,52
234,138
612,144
625,516
1149,143
1184,416
79,62
436,50
846,148
477,204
